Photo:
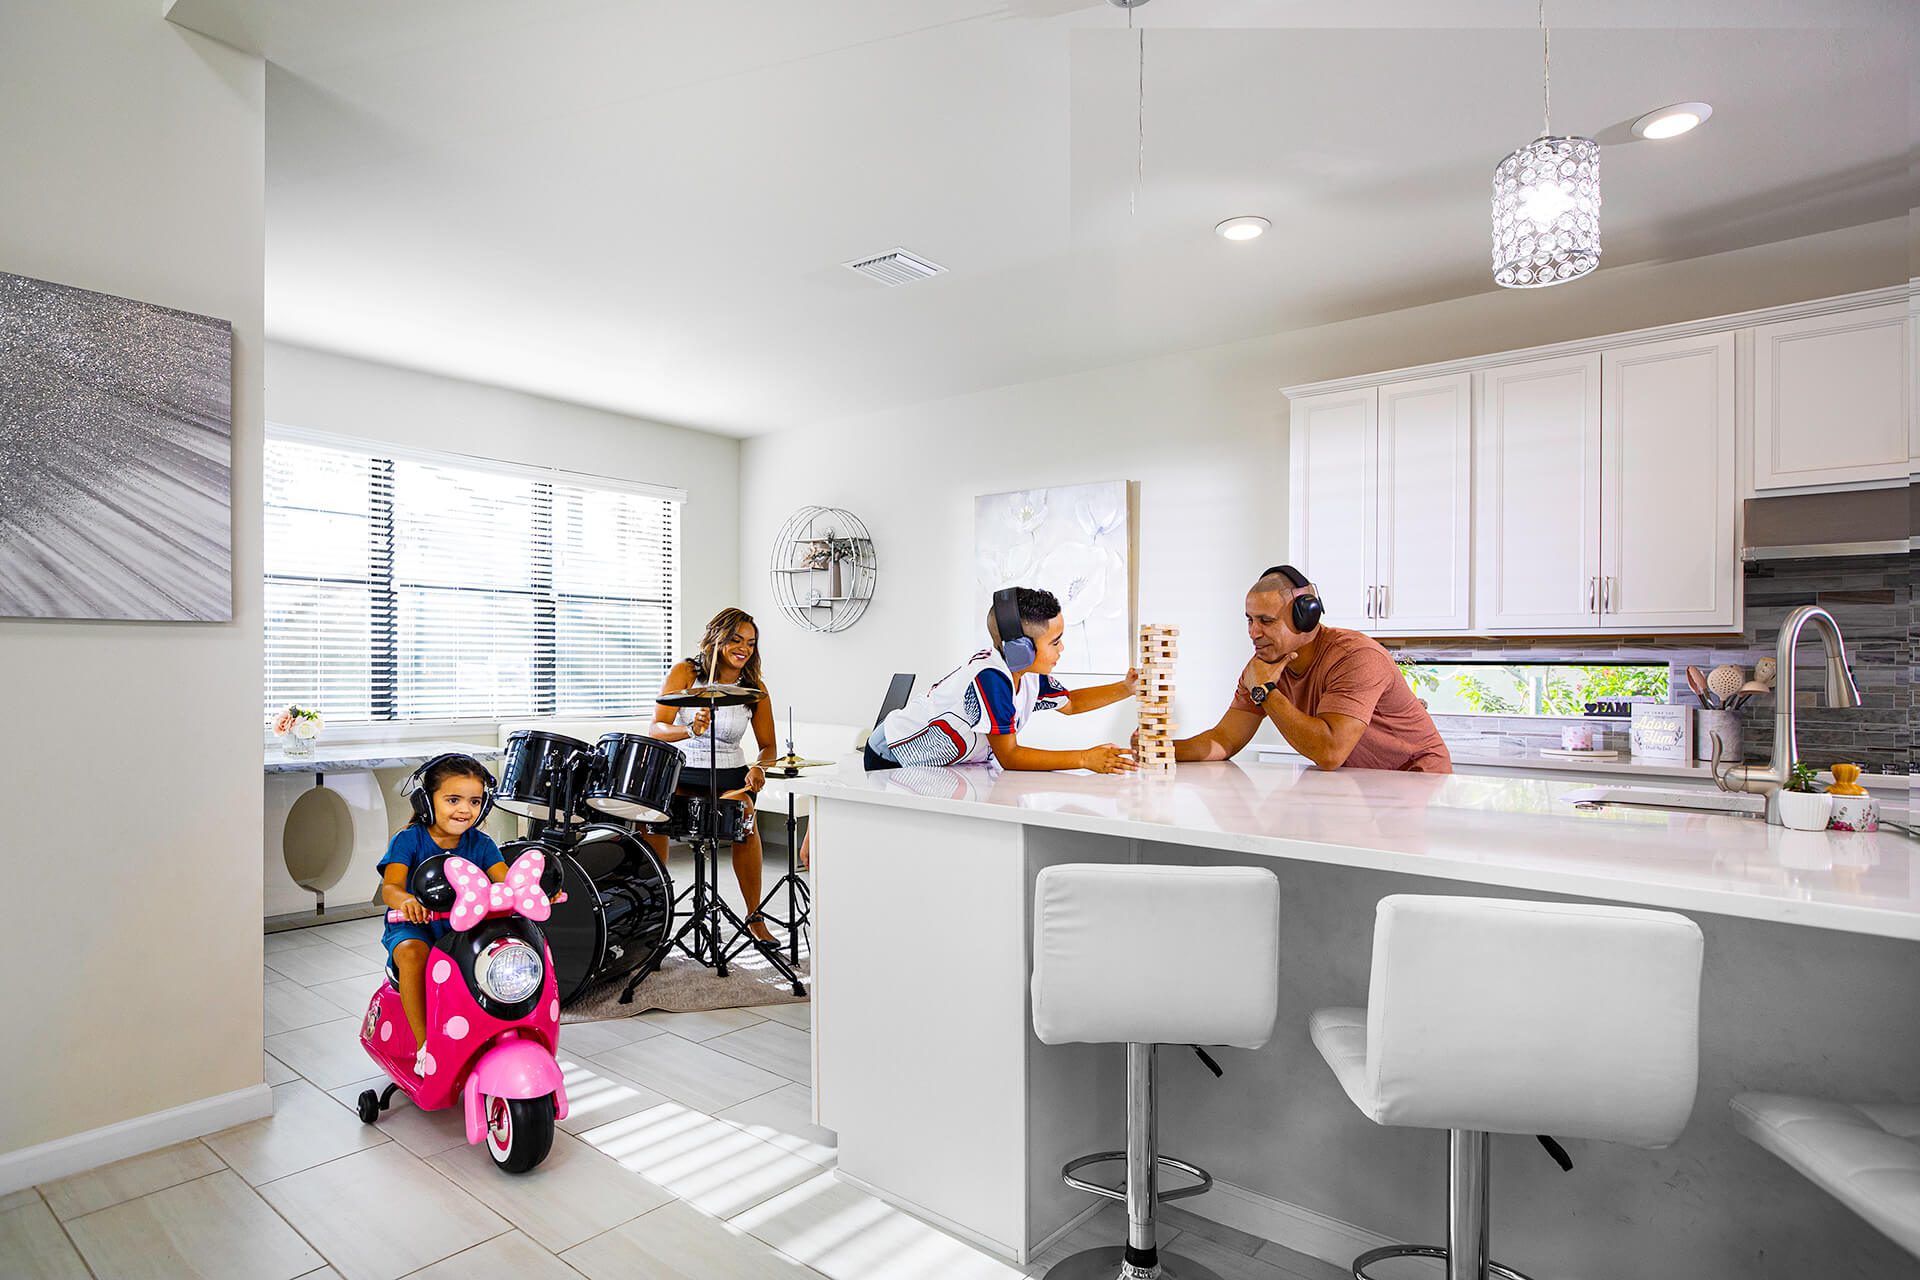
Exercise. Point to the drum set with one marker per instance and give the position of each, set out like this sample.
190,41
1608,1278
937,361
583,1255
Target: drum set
586,808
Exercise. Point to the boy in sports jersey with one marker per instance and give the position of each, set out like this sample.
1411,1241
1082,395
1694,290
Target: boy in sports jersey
974,713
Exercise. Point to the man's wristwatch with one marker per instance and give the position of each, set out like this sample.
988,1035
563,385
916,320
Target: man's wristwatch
1261,692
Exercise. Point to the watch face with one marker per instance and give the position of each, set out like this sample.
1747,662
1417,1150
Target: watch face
1259,694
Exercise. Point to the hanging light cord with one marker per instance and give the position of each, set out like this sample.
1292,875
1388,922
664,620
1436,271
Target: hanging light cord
1140,117
1546,74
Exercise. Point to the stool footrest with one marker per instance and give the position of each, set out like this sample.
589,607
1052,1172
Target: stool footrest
1371,1256
1204,1184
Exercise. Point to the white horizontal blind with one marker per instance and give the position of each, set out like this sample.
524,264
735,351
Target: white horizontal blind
448,590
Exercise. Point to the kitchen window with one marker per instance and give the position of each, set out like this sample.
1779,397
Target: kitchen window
1531,688
413,587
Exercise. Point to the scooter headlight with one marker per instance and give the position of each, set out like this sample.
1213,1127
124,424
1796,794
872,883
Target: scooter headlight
509,971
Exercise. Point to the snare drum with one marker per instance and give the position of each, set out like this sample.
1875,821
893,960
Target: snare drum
544,776
634,777
618,912
689,821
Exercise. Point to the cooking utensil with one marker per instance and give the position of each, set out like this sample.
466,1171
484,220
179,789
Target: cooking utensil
1765,670
1747,693
1725,681
1697,681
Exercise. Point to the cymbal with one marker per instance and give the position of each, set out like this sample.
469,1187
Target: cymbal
711,695
795,762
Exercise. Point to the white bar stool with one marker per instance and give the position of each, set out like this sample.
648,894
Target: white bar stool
1147,956
1489,1015
1866,1155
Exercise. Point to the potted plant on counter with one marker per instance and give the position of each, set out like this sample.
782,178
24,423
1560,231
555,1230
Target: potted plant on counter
297,727
1803,806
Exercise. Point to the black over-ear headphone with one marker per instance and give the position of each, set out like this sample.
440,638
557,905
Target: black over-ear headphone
1015,647
1307,609
415,788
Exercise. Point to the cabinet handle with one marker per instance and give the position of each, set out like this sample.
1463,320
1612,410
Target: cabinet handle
1593,595
1383,599
1369,602
1606,594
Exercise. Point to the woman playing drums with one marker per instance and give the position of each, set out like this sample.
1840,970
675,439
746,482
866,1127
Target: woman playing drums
729,654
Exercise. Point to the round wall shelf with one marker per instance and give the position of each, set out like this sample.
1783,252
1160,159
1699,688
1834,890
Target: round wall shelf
823,568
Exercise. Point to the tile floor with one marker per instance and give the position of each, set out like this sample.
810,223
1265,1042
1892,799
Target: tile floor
688,1156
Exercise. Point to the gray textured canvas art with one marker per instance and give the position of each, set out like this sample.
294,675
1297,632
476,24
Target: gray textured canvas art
116,457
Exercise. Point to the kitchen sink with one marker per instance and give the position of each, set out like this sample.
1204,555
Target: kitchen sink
1739,804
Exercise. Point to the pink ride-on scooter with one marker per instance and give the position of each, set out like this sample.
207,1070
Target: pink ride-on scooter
493,1012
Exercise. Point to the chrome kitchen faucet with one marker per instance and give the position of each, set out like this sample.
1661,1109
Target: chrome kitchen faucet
1770,778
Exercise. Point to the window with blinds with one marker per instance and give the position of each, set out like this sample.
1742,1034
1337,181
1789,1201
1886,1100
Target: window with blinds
404,587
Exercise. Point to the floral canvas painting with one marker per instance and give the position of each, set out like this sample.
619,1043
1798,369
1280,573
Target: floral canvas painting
1075,541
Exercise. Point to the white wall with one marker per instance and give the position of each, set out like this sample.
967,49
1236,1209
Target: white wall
1204,434
321,391
133,156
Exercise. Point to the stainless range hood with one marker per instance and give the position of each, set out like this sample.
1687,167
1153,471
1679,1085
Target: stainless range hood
1811,526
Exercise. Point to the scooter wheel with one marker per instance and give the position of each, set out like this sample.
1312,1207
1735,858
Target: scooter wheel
369,1106
519,1131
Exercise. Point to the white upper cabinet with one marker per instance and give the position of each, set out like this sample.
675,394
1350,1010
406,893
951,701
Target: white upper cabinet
1668,514
1537,496
1331,440
1424,526
1831,399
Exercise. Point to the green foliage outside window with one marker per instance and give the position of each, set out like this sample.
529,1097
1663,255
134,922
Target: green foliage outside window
1529,689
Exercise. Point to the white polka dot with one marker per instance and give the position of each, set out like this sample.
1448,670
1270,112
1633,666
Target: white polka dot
440,971
456,1028
553,1010
429,1064
472,896
386,1031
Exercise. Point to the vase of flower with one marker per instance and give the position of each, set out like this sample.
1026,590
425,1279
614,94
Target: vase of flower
298,728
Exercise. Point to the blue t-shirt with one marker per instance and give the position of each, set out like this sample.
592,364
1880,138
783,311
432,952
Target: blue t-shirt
411,846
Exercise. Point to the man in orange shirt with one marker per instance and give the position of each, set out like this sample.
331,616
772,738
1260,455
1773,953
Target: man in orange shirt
1336,696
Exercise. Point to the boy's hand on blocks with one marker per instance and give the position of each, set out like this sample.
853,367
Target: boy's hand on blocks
1107,758
1132,681
415,912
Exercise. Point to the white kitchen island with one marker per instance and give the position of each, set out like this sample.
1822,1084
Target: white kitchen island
945,1103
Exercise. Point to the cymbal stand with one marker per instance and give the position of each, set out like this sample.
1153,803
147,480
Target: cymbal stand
799,896
710,911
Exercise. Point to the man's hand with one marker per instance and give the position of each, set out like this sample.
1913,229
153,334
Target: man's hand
1107,758
1132,682
1258,672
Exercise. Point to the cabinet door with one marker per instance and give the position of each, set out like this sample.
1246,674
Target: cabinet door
1830,399
1424,529
1331,517
1668,559
1537,496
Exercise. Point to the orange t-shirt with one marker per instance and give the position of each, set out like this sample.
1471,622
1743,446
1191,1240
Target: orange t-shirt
1354,675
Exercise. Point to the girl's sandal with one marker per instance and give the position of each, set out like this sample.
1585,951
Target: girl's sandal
771,945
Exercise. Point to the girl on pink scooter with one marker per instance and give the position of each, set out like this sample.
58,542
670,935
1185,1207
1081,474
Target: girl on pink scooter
449,798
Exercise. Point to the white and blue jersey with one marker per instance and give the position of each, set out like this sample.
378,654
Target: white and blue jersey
951,721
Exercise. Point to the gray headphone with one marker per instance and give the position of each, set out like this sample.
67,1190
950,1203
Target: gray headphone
1015,647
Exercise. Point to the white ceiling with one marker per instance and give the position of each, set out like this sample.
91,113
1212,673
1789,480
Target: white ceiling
642,205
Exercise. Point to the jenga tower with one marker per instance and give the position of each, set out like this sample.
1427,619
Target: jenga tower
1159,648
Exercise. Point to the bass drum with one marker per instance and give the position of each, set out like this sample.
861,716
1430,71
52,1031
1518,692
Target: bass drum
618,914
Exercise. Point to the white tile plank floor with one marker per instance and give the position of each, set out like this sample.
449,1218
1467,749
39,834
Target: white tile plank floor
690,1153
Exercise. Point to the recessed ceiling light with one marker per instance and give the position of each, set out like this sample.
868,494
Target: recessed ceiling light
1671,122
1247,228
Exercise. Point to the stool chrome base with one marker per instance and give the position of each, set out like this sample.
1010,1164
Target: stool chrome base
1371,1256
1109,1263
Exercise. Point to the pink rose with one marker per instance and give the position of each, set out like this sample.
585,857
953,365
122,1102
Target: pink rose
284,723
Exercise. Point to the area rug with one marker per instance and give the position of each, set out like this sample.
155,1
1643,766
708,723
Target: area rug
681,986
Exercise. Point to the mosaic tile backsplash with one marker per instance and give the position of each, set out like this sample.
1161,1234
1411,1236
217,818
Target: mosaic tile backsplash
1871,597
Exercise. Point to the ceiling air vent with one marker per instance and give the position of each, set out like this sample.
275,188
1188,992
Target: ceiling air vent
896,266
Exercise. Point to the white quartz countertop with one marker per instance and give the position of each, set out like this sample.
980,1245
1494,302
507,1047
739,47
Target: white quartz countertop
330,757
1517,832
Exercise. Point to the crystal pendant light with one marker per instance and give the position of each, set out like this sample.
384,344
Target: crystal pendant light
1546,201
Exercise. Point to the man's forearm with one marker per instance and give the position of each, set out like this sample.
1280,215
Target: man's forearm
1198,749
1311,736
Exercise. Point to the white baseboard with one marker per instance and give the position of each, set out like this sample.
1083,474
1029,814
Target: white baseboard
1302,1230
76,1153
